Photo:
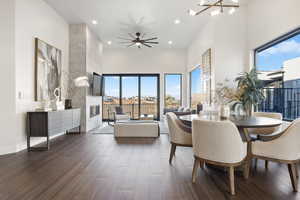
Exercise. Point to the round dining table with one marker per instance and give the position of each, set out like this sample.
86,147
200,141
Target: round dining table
241,122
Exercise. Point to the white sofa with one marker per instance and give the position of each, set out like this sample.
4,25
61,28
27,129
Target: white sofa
136,129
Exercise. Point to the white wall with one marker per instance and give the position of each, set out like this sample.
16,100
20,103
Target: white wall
34,18
291,69
147,61
226,35
7,77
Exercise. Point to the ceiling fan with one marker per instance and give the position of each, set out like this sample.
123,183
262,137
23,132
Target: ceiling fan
138,40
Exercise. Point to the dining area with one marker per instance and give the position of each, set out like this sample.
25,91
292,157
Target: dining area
235,144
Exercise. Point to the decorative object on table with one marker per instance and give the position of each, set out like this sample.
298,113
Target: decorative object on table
48,66
245,97
219,7
57,104
199,108
224,111
68,103
207,75
250,90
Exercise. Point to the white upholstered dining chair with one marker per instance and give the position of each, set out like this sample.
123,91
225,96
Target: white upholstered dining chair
283,148
265,131
179,134
217,143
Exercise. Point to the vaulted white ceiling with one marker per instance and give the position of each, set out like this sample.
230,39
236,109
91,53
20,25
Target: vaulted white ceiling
120,17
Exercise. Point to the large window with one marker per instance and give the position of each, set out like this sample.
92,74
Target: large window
173,97
196,88
277,54
137,94
278,64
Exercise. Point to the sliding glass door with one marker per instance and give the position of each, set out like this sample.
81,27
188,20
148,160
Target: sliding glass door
111,97
130,95
149,96
137,94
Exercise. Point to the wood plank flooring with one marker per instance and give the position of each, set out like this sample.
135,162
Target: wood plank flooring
83,167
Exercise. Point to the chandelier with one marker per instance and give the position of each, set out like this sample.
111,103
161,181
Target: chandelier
218,6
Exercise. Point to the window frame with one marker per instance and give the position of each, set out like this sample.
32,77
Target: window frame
139,75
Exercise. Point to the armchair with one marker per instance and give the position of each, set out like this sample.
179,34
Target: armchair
118,114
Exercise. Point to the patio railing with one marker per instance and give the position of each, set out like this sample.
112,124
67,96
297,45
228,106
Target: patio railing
282,100
133,109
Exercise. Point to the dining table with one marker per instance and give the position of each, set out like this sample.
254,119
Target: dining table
243,123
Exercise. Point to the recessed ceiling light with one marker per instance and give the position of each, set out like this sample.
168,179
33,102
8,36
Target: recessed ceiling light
192,12
170,42
202,2
231,11
109,42
215,12
177,21
94,22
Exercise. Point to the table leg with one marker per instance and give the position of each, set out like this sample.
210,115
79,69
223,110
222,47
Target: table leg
246,137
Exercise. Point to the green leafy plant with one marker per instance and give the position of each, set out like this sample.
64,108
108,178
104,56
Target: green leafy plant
250,90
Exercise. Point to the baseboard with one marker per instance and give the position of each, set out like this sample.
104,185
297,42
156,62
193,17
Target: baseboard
35,141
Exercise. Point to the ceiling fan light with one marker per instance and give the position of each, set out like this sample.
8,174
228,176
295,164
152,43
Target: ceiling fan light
192,12
177,21
138,44
215,12
231,11
202,2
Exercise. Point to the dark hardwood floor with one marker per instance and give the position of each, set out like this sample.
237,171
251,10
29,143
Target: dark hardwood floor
87,166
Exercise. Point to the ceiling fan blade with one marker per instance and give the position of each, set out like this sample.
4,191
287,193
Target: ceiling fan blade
146,45
129,42
121,38
131,35
131,45
155,38
151,42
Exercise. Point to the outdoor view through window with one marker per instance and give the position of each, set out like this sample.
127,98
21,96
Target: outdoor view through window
136,94
173,91
279,67
197,96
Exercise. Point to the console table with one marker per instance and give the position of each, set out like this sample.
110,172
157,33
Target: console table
46,124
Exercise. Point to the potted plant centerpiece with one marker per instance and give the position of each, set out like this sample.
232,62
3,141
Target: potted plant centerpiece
250,92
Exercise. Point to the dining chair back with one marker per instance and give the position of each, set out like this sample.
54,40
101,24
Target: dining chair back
218,143
269,130
283,148
178,134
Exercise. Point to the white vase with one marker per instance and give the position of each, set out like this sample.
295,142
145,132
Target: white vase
225,111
